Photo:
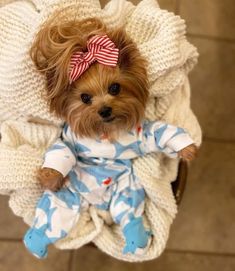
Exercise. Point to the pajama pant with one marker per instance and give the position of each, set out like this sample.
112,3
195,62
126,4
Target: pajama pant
58,212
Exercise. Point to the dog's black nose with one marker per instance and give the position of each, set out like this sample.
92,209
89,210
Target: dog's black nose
105,112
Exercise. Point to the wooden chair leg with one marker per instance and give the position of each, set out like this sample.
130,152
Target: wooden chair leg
179,184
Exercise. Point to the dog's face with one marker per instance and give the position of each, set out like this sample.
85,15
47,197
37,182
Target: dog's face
106,101
103,100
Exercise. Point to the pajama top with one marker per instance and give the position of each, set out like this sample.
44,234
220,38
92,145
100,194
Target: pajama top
95,165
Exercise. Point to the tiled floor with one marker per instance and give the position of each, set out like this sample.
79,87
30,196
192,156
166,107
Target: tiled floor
203,235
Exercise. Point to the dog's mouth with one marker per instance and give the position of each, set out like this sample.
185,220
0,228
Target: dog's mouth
109,119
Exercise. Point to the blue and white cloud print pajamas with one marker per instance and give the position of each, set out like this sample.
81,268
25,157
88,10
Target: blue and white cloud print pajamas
100,173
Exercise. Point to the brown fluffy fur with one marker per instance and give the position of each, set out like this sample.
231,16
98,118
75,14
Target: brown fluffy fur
52,51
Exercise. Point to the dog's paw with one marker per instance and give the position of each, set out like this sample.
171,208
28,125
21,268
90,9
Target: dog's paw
188,153
50,179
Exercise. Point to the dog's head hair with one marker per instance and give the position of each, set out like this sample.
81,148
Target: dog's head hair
103,100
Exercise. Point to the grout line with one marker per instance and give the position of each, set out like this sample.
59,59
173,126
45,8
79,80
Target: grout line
217,140
168,250
208,253
201,36
177,7
10,240
71,257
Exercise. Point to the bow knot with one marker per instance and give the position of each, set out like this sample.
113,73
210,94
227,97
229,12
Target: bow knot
100,49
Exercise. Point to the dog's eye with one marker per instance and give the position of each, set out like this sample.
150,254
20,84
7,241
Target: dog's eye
86,98
114,89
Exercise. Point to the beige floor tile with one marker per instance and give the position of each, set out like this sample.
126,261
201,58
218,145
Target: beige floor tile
91,259
169,5
214,18
14,256
11,226
164,4
205,221
104,2
213,84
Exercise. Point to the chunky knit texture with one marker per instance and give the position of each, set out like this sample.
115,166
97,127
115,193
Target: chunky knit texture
27,127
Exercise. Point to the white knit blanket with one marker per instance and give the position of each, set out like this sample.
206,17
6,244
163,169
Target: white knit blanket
27,128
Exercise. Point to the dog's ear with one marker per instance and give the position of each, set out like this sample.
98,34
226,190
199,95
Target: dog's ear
129,54
133,66
52,51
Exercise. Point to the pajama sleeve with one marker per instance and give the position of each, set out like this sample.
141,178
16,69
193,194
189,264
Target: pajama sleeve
61,156
166,138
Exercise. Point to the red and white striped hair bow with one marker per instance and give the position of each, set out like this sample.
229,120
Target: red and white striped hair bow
100,49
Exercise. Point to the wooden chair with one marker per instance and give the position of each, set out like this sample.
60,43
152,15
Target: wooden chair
179,184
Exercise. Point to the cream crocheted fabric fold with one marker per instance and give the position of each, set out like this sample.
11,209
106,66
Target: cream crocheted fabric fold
28,129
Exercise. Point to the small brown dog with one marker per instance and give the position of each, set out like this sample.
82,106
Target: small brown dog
104,100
